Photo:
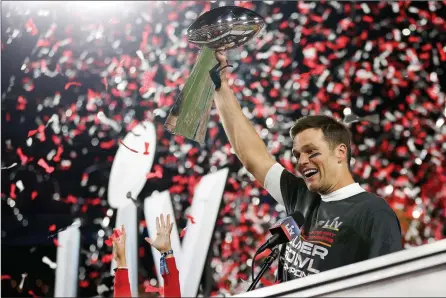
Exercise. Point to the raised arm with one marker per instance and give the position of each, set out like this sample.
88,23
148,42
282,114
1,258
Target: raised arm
169,269
245,141
122,285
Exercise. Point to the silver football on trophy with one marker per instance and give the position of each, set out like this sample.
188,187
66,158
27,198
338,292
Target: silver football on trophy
225,27
221,28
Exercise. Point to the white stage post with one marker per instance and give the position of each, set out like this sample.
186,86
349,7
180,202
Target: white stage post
67,262
127,216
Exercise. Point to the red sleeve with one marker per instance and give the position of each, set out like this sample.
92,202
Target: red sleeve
172,280
122,284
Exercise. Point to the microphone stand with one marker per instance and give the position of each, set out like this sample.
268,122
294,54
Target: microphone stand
266,264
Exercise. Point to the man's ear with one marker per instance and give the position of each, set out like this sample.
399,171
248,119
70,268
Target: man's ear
341,153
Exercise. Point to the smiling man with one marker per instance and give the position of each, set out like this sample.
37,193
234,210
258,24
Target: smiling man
344,223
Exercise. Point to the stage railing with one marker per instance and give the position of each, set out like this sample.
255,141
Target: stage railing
414,272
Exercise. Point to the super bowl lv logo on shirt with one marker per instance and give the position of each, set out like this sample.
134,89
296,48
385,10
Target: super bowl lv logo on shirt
305,255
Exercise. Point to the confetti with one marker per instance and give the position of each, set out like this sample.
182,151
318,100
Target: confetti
44,165
157,174
68,85
9,167
191,218
183,232
22,282
50,263
267,282
152,289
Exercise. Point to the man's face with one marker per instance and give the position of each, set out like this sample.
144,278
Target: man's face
317,164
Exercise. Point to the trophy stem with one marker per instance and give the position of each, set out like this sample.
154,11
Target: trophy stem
190,114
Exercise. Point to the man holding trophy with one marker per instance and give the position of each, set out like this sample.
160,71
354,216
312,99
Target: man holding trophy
344,223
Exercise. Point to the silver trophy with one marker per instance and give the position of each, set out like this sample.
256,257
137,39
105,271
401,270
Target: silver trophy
221,28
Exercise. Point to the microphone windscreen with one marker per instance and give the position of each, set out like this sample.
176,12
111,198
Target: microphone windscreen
298,218
286,229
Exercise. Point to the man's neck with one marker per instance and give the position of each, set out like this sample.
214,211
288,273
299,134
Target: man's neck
342,183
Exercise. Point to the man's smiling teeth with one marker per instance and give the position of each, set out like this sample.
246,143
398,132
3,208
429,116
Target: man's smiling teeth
310,172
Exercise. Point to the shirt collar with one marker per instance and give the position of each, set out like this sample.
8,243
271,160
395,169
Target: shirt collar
343,193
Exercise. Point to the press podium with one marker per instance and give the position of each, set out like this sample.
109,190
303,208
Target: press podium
415,272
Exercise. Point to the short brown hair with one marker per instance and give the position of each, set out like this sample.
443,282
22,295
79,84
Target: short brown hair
335,132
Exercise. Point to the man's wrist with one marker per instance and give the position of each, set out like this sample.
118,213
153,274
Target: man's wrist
165,250
121,264
224,85
167,253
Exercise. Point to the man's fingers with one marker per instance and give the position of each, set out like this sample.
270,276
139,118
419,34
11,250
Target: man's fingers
221,58
163,224
150,241
123,229
168,221
158,227
170,229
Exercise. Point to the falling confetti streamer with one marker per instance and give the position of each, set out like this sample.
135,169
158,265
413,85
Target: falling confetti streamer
183,232
191,218
44,165
152,289
68,85
50,263
9,167
22,282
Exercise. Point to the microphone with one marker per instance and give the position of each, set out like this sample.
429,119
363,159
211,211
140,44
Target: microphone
284,231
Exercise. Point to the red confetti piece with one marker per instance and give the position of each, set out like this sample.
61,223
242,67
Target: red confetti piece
183,232
267,282
32,132
157,174
107,258
21,103
191,218
44,165
52,228
94,274
152,289
133,150
56,157
23,157
108,242
56,242
30,27
84,283
41,130
6,276
68,85
117,233
107,145
12,192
